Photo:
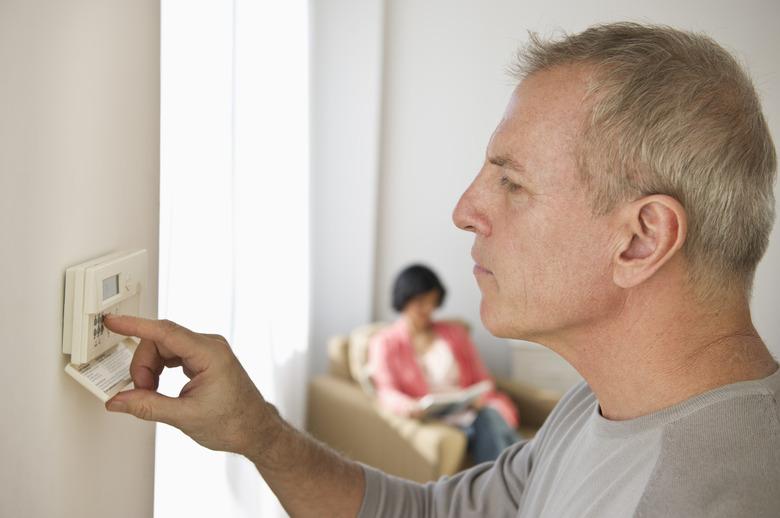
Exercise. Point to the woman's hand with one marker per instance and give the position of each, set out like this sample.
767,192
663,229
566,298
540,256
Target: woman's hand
415,412
478,403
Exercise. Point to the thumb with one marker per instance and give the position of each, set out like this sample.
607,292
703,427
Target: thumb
147,405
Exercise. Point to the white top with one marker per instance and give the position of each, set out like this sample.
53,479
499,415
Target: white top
440,368
442,374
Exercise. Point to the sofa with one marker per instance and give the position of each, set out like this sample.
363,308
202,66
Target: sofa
343,413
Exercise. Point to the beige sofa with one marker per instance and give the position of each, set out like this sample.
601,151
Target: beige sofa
343,414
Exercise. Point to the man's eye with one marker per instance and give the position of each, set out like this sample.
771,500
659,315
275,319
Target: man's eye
509,185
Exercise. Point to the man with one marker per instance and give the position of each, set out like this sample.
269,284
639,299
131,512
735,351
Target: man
625,200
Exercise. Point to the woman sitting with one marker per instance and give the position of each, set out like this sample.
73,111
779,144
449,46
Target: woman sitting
416,356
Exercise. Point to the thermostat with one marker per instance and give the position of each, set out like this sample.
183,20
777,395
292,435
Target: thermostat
113,283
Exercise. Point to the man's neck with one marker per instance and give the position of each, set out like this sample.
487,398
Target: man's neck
646,360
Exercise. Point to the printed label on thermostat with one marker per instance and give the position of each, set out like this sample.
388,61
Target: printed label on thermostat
109,370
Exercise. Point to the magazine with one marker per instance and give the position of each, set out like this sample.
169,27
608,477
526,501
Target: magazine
439,405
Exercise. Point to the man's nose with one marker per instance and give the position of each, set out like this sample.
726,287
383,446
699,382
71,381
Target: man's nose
468,214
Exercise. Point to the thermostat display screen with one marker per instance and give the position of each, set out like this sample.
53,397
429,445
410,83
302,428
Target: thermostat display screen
110,286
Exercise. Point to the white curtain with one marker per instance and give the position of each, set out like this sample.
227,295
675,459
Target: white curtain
234,222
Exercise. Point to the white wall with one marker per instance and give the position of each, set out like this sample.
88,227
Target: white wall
79,153
445,90
346,62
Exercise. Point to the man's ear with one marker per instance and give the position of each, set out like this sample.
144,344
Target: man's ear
653,229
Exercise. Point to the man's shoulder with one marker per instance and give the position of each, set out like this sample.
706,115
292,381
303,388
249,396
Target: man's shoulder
721,459
578,399
571,411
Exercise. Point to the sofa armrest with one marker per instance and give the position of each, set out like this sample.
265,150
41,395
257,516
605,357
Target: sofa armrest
441,445
342,416
534,404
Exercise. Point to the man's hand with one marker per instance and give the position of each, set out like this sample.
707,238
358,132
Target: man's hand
218,407
221,409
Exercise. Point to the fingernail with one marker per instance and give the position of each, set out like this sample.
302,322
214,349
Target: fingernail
117,406
108,316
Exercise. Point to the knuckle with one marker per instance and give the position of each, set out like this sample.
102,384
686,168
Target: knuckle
169,328
215,337
219,343
143,410
168,325
226,348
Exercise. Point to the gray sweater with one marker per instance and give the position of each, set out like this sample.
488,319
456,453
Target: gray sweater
714,455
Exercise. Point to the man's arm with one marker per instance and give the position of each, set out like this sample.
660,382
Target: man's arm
309,478
221,409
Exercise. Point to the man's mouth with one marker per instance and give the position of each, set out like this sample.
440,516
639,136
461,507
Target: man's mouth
479,270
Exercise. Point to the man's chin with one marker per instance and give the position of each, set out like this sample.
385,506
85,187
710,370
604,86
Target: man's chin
502,327
493,323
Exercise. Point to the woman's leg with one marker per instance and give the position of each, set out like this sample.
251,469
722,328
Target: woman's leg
489,435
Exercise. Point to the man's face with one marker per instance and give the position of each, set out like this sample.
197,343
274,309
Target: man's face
542,258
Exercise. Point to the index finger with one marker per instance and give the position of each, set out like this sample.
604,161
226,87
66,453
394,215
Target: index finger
168,336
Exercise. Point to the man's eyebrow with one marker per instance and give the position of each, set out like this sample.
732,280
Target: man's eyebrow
508,162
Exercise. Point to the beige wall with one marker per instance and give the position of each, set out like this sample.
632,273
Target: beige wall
79,154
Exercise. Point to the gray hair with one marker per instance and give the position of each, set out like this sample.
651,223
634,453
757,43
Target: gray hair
673,113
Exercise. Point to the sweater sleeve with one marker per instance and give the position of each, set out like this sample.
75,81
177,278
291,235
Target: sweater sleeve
488,489
385,380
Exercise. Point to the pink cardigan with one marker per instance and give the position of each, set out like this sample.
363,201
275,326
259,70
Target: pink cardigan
399,379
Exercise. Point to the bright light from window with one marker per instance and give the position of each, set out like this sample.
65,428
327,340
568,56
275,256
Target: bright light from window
234,219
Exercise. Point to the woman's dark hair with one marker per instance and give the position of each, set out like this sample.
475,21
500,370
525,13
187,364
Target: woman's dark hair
415,280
